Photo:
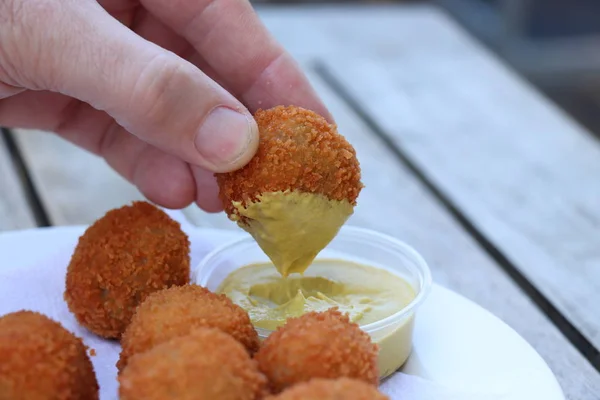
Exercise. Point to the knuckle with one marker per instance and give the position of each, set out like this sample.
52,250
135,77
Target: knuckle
160,89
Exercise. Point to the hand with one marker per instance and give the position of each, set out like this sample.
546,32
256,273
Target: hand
162,89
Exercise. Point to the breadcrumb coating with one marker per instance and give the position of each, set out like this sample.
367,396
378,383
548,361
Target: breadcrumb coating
207,364
318,345
331,389
41,360
298,150
120,259
174,312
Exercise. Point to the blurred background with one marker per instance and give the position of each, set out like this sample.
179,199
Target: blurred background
555,44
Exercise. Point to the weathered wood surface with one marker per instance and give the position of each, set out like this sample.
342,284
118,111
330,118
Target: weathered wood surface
524,173
366,32
14,210
396,203
77,187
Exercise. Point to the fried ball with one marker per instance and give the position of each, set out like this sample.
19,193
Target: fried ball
318,345
207,364
176,311
299,188
120,259
298,151
331,389
41,360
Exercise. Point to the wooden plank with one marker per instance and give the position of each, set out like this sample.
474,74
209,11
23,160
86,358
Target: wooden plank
396,203
410,31
15,212
364,32
77,187
514,164
74,186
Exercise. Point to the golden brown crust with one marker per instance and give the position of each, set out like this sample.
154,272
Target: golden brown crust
39,360
331,389
298,150
120,259
207,364
318,345
174,312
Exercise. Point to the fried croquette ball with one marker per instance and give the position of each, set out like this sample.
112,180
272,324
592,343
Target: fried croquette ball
331,389
298,151
41,360
206,364
120,259
318,345
176,311
297,191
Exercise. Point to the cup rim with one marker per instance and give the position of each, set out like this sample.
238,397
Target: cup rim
425,279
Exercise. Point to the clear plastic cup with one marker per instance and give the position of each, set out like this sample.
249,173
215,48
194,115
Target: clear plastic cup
394,333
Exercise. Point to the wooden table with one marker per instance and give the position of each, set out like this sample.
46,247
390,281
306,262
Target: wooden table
495,186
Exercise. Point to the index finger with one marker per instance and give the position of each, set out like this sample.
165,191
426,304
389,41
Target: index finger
232,40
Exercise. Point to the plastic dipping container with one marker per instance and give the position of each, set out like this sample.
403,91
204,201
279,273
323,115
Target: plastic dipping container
394,333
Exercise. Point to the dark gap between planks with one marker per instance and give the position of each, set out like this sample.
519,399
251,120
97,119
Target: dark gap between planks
584,346
31,194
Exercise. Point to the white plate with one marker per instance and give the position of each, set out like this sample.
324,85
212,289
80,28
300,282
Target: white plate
457,343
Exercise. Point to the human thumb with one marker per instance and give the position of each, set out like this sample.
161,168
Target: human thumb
76,48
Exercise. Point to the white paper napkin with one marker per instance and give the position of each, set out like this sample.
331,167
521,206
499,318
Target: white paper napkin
402,386
40,286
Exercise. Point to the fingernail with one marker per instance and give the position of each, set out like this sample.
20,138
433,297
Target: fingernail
226,139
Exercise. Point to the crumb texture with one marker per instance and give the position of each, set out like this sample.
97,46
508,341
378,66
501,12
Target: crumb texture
298,150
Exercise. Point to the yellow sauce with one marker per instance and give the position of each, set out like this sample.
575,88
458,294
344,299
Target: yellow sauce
292,227
366,293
